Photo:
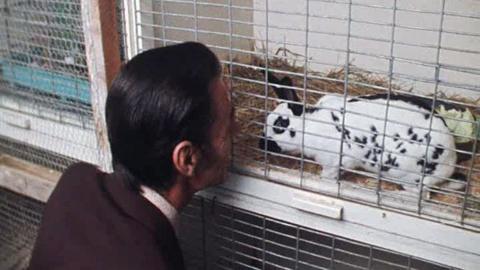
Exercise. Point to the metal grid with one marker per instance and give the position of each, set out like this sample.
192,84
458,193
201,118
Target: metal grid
20,218
219,236
349,50
44,87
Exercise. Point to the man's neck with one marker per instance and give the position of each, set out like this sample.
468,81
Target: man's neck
161,203
179,195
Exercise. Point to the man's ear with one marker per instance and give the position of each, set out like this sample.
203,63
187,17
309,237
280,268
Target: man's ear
186,158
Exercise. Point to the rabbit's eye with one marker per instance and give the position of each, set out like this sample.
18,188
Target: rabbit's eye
280,124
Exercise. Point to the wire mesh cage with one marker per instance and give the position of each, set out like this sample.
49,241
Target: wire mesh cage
20,218
226,237
372,101
218,236
44,87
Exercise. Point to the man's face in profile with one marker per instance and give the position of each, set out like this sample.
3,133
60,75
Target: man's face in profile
221,133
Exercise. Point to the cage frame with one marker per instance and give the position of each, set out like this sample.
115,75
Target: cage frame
334,215
438,240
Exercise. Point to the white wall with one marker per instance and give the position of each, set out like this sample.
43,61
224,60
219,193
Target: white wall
327,41
416,35
209,20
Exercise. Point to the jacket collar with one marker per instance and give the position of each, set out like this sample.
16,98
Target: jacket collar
133,204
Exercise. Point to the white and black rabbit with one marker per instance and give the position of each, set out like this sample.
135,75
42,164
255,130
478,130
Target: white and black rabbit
404,147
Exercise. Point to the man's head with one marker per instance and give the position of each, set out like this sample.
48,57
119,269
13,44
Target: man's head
169,117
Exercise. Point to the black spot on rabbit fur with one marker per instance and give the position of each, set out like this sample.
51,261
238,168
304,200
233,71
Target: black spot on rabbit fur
375,133
297,109
422,102
403,151
437,152
429,167
292,133
399,145
384,168
377,149
334,117
280,124
269,145
367,155
396,137
360,142
346,136
311,109
410,131
391,160
427,137
414,137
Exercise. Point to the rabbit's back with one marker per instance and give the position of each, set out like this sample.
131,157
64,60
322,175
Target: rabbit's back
400,153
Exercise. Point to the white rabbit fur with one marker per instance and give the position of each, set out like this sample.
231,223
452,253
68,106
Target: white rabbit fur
405,140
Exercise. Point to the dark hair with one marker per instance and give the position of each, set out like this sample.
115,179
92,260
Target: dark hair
159,98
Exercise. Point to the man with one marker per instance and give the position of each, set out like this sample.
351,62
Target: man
170,123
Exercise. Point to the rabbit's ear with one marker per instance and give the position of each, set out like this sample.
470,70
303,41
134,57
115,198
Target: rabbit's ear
286,93
286,81
282,92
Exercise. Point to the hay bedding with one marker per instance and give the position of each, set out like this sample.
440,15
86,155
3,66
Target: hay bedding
250,103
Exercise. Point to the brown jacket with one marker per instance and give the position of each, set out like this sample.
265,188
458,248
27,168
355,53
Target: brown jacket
92,221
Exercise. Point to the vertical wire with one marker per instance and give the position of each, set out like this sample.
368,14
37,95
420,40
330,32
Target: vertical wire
162,11
470,171
230,59
136,10
469,176
345,94
8,35
297,247
332,253
232,235
265,171
50,45
263,243
370,257
385,124
123,27
305,74
127,28
195,15
432,110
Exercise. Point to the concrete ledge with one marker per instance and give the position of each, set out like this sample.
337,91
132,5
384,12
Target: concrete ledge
26,178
